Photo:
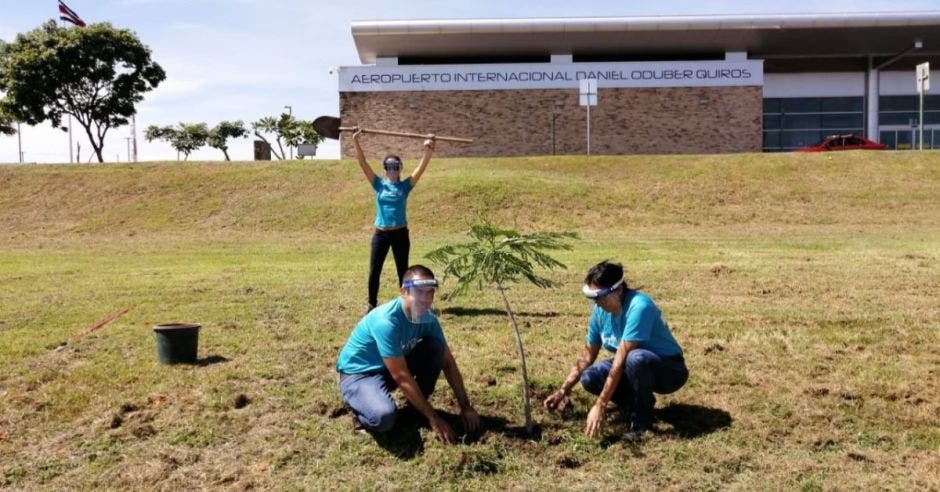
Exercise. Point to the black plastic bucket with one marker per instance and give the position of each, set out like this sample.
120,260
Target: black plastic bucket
177,343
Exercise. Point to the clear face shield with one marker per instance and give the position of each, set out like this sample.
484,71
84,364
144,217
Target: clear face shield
393,169
419,296
595,295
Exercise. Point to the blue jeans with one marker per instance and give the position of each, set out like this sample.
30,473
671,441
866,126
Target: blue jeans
400,244
370,394
643,374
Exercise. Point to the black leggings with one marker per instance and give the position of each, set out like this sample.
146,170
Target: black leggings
382,240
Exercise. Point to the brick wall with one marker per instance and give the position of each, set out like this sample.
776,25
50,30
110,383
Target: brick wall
519,122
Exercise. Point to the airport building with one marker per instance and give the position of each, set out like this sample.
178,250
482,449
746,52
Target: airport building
677,84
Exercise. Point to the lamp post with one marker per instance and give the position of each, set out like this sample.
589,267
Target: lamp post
290,112
19,142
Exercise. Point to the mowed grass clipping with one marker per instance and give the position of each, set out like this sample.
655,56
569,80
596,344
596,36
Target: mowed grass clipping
803,288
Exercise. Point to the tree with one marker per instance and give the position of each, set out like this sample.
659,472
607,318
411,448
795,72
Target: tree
286,130
6,125
498,257
96,74
218,136
185,138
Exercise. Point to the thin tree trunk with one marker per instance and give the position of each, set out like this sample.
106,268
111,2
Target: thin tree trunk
525,372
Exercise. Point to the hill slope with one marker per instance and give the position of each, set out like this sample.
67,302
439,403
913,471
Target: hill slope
581,193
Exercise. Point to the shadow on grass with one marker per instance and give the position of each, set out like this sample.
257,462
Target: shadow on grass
691,421
405,441
210,360
462,311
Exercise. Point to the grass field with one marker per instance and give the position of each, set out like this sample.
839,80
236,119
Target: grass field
803,288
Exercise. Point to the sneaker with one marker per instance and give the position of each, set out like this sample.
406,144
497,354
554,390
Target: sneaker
636,436
356,424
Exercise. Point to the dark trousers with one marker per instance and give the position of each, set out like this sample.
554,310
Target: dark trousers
400,244
643,374
370,394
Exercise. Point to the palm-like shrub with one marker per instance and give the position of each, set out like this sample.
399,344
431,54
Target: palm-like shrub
498,257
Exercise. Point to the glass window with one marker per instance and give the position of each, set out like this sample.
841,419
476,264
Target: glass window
772,105
796,139
799,105
889,138
897,118
771,121
841,104
850,120
931,103
771,140
801,121
897,103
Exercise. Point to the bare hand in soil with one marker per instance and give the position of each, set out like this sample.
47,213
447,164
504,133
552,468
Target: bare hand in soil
556,401
470,419
443,431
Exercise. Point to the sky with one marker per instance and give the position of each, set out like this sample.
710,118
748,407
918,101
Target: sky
246,59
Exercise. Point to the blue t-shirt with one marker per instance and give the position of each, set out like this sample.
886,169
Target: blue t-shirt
390,202
385,332
639,321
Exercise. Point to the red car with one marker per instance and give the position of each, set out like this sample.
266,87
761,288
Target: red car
843,142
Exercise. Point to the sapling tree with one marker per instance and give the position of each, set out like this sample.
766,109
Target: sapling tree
499,257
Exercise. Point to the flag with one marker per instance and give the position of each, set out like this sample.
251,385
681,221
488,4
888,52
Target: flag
69,15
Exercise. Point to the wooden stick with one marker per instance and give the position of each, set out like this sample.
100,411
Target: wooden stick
404,134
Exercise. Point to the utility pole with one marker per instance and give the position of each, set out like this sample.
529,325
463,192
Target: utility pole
19,142
70,140
128,140
134,135
290,112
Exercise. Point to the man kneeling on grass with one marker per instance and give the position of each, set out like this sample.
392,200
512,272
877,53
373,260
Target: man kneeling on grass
646,358
400,344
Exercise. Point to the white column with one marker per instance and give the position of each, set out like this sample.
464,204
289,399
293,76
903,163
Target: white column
874,89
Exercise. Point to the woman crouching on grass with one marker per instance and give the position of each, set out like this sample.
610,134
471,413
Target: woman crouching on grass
391,222
646,359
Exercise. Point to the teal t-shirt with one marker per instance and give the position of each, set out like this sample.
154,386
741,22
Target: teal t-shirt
385,332
639,321
391,200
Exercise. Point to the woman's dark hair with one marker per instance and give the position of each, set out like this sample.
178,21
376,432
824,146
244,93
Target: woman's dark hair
606,274
391,158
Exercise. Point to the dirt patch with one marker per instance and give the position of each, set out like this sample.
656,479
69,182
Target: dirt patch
487,380
568,462
337,412
240,401
715,347
849,395
719,270
144,431
817,392
859,457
